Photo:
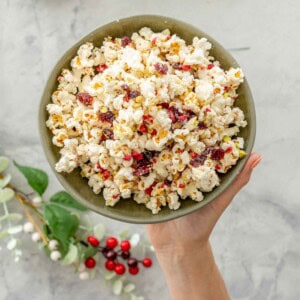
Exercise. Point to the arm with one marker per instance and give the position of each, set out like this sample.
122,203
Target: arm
183,249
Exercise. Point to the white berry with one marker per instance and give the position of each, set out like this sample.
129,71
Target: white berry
81,268
37,201
84,275
55,255
28,227
53,244
35,237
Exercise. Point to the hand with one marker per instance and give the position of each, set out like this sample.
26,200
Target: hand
189,235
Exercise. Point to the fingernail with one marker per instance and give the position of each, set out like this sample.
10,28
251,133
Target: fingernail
256,162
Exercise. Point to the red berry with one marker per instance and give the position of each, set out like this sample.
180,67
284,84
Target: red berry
93,241
182,118
106,174
125,41
181,185
120,269
165,105
210,66
161,68
194,155
127,157
143,128
110,265
133,271
208,109
84,98
147,262
90,263
218,167
125,245
168,37
111,242
153,132
132,262
136,155
186,67
153,41
101,68
229,149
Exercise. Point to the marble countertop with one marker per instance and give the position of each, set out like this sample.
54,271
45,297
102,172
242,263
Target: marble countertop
256,242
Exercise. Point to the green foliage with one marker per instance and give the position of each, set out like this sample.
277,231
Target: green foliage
36,178
62,223
4,162
6,194
65,199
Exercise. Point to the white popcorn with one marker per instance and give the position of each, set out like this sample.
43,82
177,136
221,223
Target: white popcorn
148,110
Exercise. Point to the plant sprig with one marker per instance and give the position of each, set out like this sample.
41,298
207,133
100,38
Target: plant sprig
58,225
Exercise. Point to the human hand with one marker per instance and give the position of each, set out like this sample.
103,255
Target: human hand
183,250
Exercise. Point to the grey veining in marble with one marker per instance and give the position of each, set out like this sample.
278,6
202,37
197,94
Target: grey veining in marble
256,242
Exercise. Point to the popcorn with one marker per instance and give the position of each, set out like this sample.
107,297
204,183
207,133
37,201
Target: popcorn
159,123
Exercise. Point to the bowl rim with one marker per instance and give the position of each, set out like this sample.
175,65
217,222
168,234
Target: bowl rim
131,219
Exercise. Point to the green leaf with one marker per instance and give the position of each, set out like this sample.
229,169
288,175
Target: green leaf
36,178
5,181
65,199
3,234
89,251
71,256
124,234
62,223
6,194
99,231
11,217
109,275
117,287
4,162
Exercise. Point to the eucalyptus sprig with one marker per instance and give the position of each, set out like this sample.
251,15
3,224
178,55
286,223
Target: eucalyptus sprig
61,227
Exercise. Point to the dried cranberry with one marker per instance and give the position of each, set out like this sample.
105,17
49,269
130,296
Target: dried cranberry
153,41
148,118
85,98
133,94
210,66
125,41
143,128
164,105
142,167
168,37
153,132
186,67
149,154
229,149
127,157
181,185
101,68
107,117
167,182
125,87
107,134
106,174
149,189
182,118
137,155
161,68
202,125
198,160
217,154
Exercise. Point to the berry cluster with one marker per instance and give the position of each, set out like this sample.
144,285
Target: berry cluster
111,254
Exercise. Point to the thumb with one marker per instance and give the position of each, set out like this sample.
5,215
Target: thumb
220,204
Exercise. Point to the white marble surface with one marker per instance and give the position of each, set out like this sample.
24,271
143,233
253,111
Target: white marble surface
257,241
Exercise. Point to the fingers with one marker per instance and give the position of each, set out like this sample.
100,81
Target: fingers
243,178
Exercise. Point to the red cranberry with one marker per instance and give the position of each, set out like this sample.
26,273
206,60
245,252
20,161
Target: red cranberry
107,134
147,262
168,37
149,189
198,160
218,167
210,66
202,125
127,157
85,98
110,265
133,271
217,154
132,262
229,149
186,67
101,68
133,94
125,41
120,269
182,118
111,242
148,118
143,128
181,185
106,174
136,155
177,66
107,117
93,241
125,245
125,87
90,263
153,132
161,68
154,41
164,105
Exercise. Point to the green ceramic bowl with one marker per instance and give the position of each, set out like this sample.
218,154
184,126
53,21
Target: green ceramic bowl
129,210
